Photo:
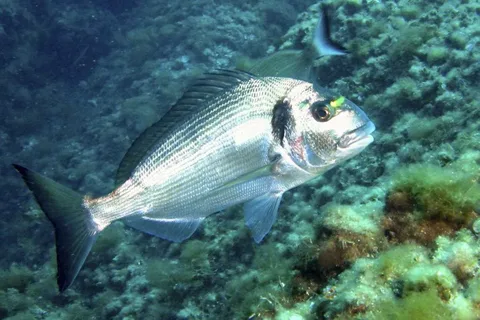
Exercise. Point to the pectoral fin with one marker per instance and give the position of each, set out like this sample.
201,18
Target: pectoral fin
261,213
175,230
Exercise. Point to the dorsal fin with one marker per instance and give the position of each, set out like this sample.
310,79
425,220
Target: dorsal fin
209,85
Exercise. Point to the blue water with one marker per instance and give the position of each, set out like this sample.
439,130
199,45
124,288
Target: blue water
80,81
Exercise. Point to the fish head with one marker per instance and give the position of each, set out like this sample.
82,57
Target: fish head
324,130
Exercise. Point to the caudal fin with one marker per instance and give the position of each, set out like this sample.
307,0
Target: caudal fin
75,230
322,40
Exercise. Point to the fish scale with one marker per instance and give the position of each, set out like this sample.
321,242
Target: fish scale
173,175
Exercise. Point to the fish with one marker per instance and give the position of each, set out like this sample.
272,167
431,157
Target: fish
299,64
232,138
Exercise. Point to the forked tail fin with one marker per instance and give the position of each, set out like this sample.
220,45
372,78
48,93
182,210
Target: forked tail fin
75,230
322,40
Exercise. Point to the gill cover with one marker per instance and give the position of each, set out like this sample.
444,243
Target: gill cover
313,139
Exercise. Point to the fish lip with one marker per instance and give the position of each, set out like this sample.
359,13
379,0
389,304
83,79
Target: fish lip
361,136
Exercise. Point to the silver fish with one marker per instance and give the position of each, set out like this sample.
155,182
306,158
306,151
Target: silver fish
232,138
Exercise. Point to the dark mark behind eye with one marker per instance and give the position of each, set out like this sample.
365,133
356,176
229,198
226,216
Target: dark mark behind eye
281,119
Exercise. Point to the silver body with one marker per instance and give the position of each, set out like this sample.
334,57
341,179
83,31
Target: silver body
225,153
192,173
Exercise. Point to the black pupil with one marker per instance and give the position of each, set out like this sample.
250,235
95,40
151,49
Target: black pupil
322,113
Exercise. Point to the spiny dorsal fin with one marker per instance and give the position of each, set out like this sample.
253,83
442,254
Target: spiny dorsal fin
202,89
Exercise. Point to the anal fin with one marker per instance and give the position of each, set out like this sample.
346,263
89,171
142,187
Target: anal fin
261,213
175,230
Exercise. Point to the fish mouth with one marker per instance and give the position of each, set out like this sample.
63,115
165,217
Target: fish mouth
358,138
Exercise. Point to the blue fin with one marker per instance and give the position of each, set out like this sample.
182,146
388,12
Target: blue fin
169,229
322,40
261,213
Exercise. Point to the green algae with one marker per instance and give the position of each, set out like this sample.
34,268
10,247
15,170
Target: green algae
401,283
394,263
426,305
447,193
16,277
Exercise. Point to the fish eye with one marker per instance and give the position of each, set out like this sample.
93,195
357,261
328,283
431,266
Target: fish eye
321,112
